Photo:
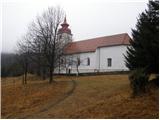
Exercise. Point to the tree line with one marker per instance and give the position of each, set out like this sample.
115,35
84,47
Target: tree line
9,65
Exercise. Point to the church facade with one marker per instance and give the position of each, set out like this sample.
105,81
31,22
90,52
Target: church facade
101,54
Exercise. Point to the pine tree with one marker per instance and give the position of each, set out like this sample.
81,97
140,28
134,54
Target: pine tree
144,49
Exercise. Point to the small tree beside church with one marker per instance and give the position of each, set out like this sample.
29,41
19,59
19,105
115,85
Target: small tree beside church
144,50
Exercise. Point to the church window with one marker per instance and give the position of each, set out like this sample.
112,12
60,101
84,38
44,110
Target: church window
70,61
88,61
109,62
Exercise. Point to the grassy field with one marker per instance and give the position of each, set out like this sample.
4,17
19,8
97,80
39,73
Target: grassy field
102,96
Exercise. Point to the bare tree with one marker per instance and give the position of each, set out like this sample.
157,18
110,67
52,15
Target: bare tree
23,53
45,47
36,55
44,31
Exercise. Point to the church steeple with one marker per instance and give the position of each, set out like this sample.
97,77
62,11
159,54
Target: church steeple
64,28
65,24
65,21
64,33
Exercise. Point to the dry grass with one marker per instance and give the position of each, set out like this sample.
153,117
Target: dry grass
103,96
19,100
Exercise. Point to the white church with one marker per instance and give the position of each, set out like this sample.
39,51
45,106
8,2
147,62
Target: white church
101,54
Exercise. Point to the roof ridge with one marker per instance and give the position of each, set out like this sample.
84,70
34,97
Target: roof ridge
99,37
92,44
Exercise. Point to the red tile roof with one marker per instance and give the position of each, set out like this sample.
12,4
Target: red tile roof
91,45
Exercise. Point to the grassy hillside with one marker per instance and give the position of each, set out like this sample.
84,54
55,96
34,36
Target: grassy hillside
103,96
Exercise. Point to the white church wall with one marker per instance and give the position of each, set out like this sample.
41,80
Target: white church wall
97,63
117,58
83,67
98,60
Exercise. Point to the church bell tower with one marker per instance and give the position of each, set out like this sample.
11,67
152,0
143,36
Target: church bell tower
64,33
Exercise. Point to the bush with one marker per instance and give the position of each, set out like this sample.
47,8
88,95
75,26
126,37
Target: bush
138,81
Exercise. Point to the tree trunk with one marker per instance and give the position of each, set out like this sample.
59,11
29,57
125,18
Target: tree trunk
39,70
77,70
59,66
51,74
44,74
25,74
25,78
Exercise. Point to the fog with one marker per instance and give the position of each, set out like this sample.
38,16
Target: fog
87,18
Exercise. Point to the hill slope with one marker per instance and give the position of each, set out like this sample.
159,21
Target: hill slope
103,96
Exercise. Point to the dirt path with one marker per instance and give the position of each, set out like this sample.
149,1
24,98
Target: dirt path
63,97
52,105
88,92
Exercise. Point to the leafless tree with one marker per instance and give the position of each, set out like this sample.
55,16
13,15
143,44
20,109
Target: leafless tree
44,31
44,47
36,54
23,57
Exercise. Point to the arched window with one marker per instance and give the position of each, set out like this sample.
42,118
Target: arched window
88,61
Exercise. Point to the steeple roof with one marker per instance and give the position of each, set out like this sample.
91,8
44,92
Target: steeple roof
65,21
64,28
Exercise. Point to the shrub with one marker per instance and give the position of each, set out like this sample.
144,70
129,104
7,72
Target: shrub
138,80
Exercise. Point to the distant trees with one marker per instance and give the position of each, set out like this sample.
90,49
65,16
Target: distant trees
144,50
41,44
9,65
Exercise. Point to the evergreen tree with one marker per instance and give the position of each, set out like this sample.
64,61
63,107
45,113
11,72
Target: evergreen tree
144,49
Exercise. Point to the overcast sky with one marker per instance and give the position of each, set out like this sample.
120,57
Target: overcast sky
87,18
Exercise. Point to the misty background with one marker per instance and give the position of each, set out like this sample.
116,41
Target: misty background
87,18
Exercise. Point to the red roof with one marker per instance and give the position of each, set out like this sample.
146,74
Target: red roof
64,28
91,45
